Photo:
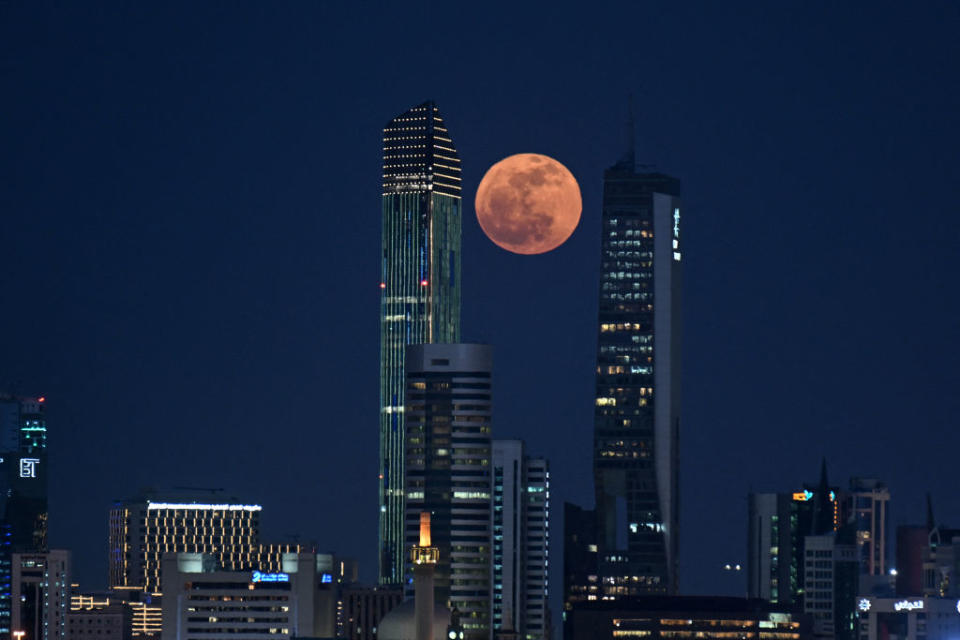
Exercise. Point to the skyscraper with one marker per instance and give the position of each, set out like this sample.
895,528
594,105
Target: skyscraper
521,542
419,285
448,474
637,407
23,489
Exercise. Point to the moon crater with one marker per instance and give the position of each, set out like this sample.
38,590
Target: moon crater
528,203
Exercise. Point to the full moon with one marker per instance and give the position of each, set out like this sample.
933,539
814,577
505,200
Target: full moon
528,203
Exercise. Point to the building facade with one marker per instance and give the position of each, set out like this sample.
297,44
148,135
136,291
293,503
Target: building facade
898,618
143,529
363,608
419,285
40,590
23,490
866,505
831,581
201,600
98,618
521,542
448,409
682,617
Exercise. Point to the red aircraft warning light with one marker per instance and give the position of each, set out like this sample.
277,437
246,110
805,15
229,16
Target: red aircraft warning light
423,283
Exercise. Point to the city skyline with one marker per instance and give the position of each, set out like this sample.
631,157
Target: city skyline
194,266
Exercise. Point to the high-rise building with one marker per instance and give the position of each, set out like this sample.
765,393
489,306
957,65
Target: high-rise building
806,549
419,285
448,409
40,592
521,542
865,505
23,490
637,405
144,528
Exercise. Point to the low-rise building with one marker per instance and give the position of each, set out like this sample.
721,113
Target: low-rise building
200,600
915,618
682,617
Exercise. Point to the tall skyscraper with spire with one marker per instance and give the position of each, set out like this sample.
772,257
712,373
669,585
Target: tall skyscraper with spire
628,544
637,408
419,286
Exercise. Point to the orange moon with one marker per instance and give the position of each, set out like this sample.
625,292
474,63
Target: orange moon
528,203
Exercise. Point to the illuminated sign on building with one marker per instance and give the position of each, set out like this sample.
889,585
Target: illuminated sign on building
326,578
864,604
28,467
259,576
803,496
154,506
676,234
908,605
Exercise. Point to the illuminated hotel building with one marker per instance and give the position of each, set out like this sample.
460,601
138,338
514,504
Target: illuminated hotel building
449,472
142,530
419,286
23,490
637,403
521,542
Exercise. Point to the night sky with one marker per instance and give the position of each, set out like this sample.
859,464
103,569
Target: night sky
190,230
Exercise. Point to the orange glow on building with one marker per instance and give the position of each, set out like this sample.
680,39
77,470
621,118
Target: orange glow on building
424,529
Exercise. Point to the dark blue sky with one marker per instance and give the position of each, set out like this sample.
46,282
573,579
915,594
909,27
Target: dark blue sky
189,231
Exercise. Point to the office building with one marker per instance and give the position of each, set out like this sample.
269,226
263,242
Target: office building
637,402
521,542
817,548
448,409
40,590
141,530
364,608
682,617
865,505
23,490
778,525
203,600
419,286
580,579
144,612
831,581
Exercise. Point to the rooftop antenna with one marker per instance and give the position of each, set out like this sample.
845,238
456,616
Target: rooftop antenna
630,157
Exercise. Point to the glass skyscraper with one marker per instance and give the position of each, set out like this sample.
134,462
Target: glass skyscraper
637,406
419,285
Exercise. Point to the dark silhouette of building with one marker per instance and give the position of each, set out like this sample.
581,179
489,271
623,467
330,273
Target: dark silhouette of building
364,607
683,617
419,286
